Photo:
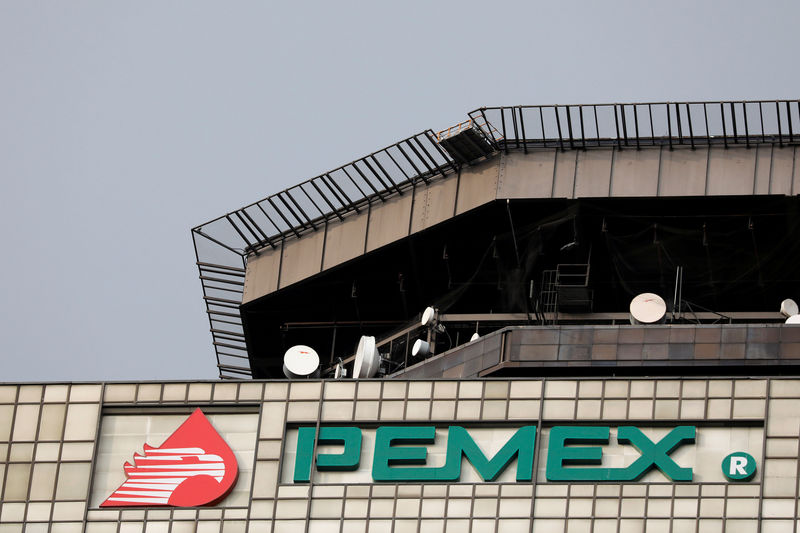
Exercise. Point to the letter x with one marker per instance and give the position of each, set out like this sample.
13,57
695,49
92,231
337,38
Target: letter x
656,454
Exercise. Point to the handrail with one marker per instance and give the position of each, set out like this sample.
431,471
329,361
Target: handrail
634,125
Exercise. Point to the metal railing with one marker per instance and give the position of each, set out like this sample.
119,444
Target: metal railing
222,244
332,195
739,123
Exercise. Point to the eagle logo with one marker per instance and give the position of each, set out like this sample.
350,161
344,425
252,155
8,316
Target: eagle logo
193,467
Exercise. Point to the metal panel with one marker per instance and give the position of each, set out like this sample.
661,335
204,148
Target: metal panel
781,176
564,180
527,176
731,171
345,239
593,173
388,221
477,185
261,274
433,203
683,172
763,170
796,180
635,172
301,258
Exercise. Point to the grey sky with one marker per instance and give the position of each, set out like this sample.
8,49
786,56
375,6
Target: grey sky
124,124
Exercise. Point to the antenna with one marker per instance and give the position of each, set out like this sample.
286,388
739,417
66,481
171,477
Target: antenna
368,360
676,301
339,371
420,348
300,362
428,317
789,308
648,308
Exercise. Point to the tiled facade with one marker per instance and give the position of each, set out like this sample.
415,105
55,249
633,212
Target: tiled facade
49,444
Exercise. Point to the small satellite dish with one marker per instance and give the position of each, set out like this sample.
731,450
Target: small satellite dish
474,337
300,362
368,360
789,308
339,371
648,308
420,348
428,316
794,319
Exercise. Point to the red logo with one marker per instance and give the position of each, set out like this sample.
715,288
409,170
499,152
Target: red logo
193,467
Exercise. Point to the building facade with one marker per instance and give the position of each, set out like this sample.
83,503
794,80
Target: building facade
545,319
64,447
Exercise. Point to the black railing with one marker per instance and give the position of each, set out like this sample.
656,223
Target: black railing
332,195
222,244
570,127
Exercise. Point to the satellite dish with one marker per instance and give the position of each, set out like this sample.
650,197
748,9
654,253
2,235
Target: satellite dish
339,371
474,337
427,316
648,308
789,308
420,348
794,319
300,362
368,360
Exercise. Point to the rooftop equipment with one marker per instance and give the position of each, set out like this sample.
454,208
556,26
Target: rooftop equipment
648,308
368,361
789,308
466,142
301,362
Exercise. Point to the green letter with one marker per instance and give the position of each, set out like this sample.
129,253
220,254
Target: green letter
349,458
558,454
459,443
655,454
386,454
305,452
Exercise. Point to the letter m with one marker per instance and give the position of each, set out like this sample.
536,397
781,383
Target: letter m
520,445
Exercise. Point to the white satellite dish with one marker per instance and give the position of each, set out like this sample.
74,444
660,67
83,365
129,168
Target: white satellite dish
648,308
339,371
427,316
794,319
474,337
368,360
420,348
300,362
789,308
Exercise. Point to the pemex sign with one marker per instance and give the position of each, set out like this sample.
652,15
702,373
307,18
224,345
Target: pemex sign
574,453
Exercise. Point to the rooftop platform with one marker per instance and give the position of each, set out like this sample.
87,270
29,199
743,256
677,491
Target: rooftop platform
619,350
506,162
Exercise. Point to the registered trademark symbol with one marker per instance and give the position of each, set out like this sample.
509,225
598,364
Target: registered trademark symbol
739,466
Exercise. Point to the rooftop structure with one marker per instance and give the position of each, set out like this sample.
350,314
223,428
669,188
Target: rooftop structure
543,219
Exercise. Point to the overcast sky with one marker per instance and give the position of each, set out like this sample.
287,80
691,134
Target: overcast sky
124,124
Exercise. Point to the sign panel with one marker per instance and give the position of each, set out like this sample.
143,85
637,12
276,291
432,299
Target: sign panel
174,460
574,453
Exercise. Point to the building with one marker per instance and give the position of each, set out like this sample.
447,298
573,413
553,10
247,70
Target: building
531,396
